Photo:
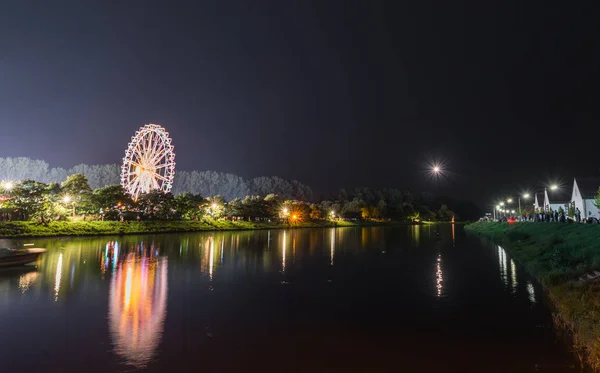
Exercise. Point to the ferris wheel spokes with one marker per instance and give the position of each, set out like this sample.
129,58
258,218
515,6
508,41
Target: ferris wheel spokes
149,162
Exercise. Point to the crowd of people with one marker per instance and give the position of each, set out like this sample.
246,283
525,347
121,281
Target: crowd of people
547,216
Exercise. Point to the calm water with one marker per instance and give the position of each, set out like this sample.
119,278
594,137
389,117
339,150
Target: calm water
323,300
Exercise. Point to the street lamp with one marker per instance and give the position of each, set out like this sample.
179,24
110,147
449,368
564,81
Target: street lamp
525,196
67,199
509,200
553,187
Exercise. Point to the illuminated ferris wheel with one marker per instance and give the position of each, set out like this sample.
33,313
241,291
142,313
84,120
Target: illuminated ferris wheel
149,162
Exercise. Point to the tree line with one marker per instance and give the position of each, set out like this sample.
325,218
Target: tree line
35,200
206,183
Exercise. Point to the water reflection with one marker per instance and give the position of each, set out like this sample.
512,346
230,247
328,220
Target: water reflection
283,251
26,280
416,235
58,276
503,267
439,275
332,249
138,306
513,273
531,292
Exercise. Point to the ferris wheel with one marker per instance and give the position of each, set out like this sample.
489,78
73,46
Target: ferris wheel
149,162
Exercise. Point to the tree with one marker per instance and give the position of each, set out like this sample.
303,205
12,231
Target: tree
315,212
445,214
189,206
597,199
33,200
111,201
77,192
214,207
157,205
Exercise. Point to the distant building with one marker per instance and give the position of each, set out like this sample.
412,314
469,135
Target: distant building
559,199
584,192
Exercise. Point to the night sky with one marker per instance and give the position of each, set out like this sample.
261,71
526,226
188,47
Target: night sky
332,93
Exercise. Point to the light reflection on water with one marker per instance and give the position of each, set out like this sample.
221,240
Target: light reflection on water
439,276
133,281
138,307
26,280
510,280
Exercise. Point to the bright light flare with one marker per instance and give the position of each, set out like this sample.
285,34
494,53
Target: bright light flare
436,169
67,199
553,187
214,206
8,186
526,195
509,200
285,210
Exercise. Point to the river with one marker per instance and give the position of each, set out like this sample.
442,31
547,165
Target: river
416,298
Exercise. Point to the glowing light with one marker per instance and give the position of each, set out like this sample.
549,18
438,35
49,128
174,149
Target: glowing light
285,211
294,217
553,187
509,200
526,195
436,169
512,211
67,199
8,186
58,276
498,207
149,162
501,203
214,206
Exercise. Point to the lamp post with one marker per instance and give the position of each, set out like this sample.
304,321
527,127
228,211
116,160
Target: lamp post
525,196
67,199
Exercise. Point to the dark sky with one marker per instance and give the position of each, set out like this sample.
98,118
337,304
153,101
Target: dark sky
332,93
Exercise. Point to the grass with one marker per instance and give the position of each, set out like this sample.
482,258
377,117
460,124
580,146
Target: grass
557,254
92,228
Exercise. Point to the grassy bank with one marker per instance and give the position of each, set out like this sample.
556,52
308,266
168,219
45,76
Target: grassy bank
557,254
92,228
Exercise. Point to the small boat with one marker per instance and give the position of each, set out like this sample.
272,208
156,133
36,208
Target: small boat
18,257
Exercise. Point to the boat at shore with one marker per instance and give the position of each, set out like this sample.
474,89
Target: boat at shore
18,257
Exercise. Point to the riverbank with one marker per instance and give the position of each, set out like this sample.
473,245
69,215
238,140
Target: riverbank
557,254
19,229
